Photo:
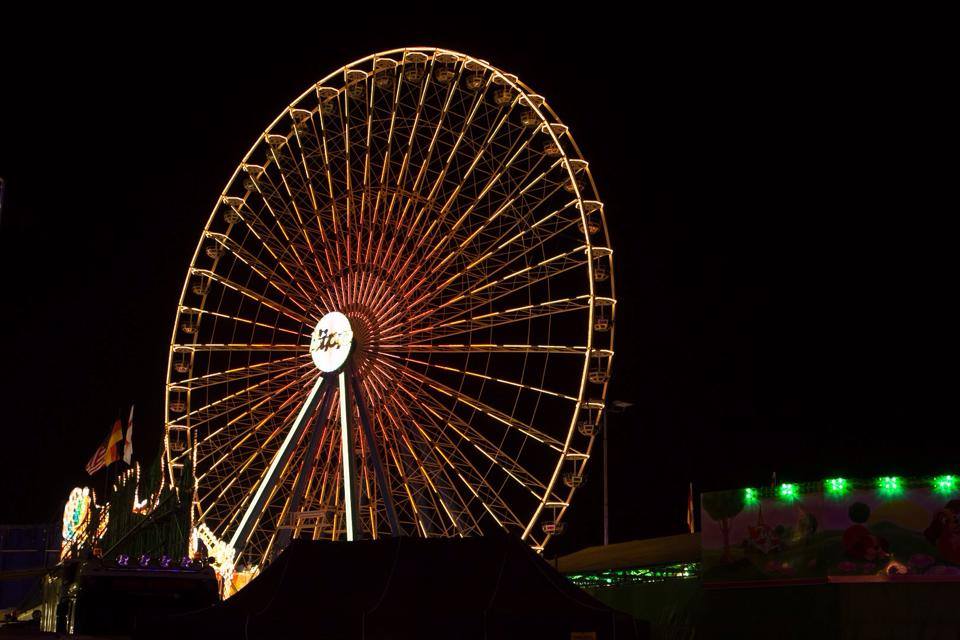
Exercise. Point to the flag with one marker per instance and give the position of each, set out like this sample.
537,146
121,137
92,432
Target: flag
96,461
690,508
116,437
128,441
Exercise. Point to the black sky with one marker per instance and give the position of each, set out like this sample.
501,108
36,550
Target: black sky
779,309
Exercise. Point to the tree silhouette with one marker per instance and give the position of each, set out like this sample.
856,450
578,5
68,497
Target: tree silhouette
722,506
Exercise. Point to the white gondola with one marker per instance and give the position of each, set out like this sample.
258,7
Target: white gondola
188,321
200,286
598,376
444,75
473,81
587,428
554,528
572,479
503,96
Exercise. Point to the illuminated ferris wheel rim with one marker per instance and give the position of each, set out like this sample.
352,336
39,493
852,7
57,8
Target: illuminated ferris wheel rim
575,167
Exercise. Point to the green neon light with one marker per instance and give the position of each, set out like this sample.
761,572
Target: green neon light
945,484
750,496
835,486
889,485
614,577
788,492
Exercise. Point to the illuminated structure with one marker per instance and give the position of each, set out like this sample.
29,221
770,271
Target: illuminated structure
398,319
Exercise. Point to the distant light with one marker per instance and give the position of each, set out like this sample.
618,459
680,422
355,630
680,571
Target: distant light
788,491
889,485
835,486
750,496
945,484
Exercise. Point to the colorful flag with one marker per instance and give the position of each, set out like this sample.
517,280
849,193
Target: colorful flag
128,441
96,461
690,508
112,445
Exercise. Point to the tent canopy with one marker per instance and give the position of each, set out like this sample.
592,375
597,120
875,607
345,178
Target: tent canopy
398,588
636,553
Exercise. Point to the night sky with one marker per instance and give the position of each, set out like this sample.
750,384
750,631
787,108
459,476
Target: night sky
778,308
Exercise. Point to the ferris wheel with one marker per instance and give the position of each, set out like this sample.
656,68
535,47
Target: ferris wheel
398,319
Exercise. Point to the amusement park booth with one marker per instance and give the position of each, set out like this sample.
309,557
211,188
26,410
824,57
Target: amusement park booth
838,558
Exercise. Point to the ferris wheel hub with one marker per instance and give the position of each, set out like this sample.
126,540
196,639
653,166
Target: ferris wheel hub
331,342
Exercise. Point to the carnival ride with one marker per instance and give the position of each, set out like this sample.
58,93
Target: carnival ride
398,319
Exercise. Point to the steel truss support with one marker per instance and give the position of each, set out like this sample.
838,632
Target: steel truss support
280,461
374,455
350,504
296,497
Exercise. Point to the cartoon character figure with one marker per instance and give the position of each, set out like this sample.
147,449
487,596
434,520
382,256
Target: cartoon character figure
806,525
762,537
944,532
860,544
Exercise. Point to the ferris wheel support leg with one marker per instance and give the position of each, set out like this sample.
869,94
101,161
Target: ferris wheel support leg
350,505
384,488
297,496
280,460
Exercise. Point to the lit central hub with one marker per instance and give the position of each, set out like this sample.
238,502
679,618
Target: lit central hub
331,342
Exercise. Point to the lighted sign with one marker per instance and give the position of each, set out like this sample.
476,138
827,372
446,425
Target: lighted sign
75,517
331,342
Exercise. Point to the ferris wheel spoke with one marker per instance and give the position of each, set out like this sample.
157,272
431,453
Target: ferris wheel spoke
309,146
244,321
278,367
274,245
285,285
328,174
302,191
227,439
500,317
268,481
483,147
227,480
398,187
483,376
438,483
407,466
418,183
241,346
436,270
492,452
498,260
397,350
496,415
447,465
468,120
253,295
498,172
463,469
496,289
236,401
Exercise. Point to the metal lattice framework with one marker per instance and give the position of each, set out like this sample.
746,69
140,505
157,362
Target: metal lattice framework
442,206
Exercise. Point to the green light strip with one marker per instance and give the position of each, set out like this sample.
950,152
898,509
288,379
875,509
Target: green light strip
615,577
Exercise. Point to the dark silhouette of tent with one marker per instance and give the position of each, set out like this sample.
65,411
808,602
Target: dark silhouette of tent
491,587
